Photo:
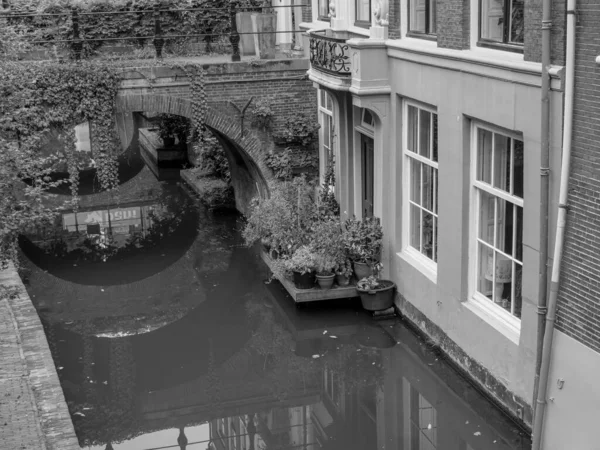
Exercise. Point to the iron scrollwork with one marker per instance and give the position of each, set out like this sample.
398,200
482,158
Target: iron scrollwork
329,55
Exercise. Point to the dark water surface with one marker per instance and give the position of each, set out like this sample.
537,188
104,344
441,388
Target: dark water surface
165,336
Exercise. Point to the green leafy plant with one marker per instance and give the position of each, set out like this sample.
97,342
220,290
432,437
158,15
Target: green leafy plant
303,260
262,114
364,239
300,129
171,125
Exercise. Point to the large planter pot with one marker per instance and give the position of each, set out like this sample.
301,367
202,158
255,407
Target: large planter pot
264,25
362,270
380,298
325,281
304,280
169,142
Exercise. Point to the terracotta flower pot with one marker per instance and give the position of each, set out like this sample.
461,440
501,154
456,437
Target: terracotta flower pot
342,280
362,270
304,280
325,281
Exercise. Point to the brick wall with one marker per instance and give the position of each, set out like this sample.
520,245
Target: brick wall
533,31
394,19
307,11
453,24
579,296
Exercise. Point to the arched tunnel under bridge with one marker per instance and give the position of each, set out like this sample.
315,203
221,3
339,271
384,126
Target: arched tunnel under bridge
245,152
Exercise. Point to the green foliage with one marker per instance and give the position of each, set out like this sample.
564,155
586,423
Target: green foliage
135,20
303,260
262,114
284,220
39,101
364,239
328,244
300,129
211,157
171,125
284,163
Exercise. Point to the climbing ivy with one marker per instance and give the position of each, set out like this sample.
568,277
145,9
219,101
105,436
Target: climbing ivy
40,104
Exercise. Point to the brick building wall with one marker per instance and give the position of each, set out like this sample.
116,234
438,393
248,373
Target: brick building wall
394,19
306,11
453,18
533,31
579,296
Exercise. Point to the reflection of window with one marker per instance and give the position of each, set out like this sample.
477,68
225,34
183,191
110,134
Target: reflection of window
323,9
363,13
422,17
333,388
498,185
423,422
421,151
502,21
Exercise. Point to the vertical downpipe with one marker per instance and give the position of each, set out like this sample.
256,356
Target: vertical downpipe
538,423
544,193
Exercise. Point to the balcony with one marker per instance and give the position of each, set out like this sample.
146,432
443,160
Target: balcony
329,55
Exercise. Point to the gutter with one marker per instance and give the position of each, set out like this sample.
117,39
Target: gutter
538,423
544,193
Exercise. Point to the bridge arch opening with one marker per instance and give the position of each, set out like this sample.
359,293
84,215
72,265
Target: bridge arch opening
244,151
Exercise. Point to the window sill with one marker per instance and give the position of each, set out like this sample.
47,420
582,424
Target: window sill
503,321
501,46
420,262
425,36
365,24
323,19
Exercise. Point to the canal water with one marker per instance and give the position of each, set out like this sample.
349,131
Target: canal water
165,335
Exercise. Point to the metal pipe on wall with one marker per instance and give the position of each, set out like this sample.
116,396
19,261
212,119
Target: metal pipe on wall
544,190
538,423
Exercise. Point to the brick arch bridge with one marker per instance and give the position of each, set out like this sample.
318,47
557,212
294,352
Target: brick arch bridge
249,174
229,87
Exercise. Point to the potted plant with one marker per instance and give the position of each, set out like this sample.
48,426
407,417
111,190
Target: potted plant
343,272
325,265
363,242
376,294
302,264
329,245
171,126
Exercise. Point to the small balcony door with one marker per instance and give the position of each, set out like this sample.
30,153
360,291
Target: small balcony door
367,162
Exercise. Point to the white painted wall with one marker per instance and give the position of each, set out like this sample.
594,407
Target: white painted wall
573,416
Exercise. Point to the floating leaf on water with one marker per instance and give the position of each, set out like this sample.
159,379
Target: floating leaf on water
316,356
325,332
477,433
333,337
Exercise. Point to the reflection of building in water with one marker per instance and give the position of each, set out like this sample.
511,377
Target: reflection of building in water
118,221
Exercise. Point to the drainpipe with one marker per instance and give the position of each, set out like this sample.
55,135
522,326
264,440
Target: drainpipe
544,191
538,423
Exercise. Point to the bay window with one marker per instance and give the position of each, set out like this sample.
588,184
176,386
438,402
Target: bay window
498,183
501,21
421,162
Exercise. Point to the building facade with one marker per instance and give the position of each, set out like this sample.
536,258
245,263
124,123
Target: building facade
432,111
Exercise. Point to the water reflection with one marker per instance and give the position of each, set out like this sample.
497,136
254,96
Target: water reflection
202,354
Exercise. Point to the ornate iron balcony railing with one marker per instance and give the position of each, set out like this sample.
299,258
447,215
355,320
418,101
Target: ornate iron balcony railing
329,54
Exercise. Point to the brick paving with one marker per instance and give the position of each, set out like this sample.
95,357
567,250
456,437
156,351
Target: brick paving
33,411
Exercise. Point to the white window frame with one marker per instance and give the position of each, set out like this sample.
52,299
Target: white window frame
503,320
323,149
410,254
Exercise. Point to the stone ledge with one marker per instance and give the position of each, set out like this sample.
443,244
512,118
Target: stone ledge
48,407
